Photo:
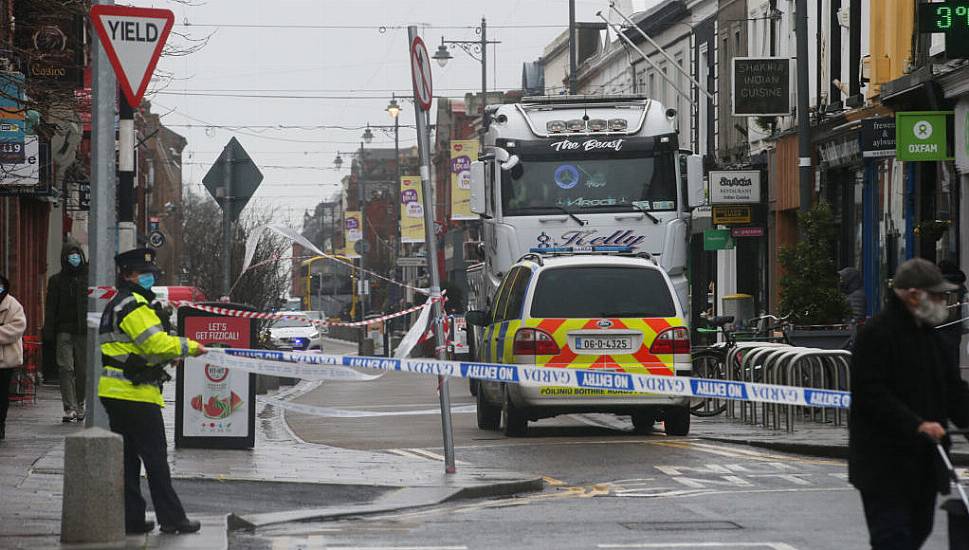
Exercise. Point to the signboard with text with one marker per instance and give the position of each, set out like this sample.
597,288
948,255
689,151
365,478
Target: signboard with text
878,137
950,18
411,210
463,153
729,215
717,239
761,86
133,38
734,187
923,136
215,407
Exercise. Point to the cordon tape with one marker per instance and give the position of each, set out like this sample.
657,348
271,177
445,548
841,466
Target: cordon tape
318,366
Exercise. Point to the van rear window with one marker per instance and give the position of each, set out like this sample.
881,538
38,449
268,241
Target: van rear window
601,291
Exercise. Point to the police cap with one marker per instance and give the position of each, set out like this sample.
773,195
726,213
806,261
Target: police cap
141,260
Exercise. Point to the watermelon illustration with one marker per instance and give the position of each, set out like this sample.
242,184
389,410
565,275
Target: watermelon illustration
212,409
197,402
236,401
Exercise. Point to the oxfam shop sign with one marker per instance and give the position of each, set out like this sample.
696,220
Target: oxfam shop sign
923,136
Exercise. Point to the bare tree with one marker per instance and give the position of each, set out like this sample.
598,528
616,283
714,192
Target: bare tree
264,286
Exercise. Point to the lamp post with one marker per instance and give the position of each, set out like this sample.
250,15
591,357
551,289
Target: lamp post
477,49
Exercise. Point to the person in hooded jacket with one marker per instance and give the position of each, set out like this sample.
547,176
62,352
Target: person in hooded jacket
65,322
13,323
854,290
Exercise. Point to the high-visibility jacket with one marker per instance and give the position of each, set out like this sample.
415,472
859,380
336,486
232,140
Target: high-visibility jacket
132,333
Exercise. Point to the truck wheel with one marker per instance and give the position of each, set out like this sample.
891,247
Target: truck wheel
643,422
677,420
489,416
513,421
473,387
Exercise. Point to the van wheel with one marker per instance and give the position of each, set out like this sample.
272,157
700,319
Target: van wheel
513,421
643,422
489,416
677,420
473,387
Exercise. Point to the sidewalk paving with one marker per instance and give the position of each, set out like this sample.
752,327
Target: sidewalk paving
32,457
809,438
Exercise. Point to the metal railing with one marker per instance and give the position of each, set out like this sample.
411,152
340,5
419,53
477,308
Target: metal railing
783,364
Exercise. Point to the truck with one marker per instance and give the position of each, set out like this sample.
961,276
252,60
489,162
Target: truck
577,172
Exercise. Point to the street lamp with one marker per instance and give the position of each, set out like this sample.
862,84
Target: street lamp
393,109
367,135
477,49
338,161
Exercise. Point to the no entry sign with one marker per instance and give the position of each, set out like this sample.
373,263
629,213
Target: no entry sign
133,38
420,68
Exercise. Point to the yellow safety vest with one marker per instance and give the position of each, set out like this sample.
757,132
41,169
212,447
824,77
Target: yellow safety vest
130,327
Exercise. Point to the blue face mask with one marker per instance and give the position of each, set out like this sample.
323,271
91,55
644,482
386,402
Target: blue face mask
74,259
146,280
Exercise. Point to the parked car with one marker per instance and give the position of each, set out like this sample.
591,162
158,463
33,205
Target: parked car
296,332
583,311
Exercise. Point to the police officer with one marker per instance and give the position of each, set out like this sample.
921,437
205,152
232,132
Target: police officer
134,350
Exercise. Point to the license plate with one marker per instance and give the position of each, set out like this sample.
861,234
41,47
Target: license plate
613,343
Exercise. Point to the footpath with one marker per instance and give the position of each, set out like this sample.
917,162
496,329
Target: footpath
282,479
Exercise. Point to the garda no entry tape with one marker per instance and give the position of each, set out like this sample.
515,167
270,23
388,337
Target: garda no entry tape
317,366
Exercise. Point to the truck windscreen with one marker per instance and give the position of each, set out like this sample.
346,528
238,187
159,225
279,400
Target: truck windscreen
579,180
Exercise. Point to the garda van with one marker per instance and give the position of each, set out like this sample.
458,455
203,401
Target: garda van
613,312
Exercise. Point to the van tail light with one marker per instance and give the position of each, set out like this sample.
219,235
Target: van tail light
675,340
531,341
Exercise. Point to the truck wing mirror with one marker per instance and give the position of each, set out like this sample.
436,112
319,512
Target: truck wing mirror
478,202
694,178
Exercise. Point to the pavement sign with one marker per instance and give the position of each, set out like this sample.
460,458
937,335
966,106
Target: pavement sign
215,408
133,38
246,178
420,67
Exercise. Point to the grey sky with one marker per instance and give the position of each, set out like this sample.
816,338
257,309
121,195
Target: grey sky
328,62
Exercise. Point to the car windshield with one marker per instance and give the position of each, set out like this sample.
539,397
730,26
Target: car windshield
292,323
595,184
602,291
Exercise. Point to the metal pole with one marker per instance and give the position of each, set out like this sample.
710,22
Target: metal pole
484,64
126,175
363,248
102,223
803,116
227,222
423,145
573,61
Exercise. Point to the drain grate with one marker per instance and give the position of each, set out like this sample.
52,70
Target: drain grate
681,525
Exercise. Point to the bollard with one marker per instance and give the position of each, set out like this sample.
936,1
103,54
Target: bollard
93,504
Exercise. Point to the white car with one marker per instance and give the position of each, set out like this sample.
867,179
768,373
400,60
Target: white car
296,332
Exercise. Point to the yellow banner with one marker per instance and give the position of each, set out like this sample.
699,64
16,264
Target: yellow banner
352,232
463,152
411,210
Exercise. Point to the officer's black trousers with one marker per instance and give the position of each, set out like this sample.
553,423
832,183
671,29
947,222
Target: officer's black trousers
141,426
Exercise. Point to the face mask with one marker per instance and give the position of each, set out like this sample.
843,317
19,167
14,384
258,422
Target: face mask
146,280
930,311
74,259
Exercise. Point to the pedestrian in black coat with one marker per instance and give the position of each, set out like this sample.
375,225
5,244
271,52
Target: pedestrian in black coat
952,334
904,391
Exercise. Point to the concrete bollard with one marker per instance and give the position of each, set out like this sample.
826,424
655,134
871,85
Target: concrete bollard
93,503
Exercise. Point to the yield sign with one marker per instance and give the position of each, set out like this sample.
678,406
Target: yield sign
133,38
420,70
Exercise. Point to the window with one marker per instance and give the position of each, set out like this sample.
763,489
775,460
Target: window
501,299
292,323
600,291
652,86
703,115
516,294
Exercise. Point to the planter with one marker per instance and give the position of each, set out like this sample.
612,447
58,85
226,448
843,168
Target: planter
821,337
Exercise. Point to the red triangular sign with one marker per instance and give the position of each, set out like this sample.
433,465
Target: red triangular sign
133,38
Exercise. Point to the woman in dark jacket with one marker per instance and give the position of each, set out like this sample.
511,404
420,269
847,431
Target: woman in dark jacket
854,290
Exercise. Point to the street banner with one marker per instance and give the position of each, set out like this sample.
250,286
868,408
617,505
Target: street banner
352,232
411,210
215,406
463,153
12,123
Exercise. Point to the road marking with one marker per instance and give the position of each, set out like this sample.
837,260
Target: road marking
397,547
705,492
740,453
769,545
552,481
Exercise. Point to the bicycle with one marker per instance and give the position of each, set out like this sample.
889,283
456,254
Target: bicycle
710,362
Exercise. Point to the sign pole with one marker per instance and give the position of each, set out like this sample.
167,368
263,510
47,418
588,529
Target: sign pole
421,73
102,223
805,171
227,223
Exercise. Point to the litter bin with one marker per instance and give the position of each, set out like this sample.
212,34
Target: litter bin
741,307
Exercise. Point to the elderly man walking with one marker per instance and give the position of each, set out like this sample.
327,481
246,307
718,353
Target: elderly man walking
905,389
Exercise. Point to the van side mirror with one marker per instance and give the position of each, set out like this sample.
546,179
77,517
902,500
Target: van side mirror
478,197
694,179
477,318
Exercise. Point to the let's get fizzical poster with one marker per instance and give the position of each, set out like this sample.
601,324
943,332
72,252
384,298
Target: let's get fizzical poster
215,397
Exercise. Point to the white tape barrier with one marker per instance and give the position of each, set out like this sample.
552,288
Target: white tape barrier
330,412
340,367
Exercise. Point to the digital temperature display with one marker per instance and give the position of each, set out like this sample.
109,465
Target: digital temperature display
951,18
